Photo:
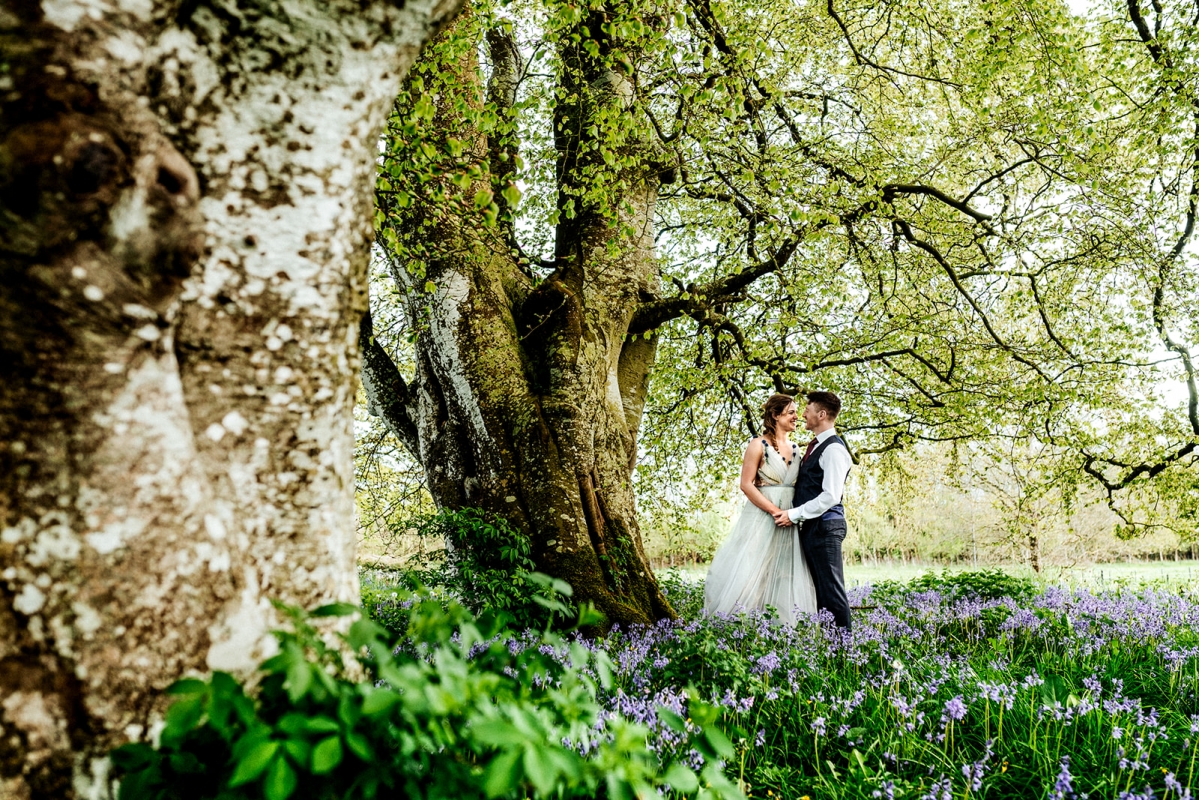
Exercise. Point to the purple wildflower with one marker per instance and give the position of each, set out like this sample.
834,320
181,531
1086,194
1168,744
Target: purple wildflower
1063,789
886,791
955,709
1174,785
940,790
767,663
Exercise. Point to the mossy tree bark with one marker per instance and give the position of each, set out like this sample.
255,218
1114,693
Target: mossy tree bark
528,391
184,231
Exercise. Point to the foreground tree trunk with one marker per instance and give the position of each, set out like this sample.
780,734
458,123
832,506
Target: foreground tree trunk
527,395
184,219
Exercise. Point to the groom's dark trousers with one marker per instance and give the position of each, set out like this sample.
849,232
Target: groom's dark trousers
821,541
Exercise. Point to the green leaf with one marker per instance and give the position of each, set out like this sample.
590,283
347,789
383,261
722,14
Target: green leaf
378,702
326,755
552,605
225,685
719,742
681,779
187,686
132,757
618,789
293,723
348,711
672,720
495,733
503,774
280,780
858,763
183,716
539,769
359,746
299,678
139,786
365,632
335,610
254,762
321,724
511,195
298,749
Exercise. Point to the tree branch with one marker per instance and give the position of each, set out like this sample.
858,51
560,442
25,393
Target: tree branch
892,189
387,394
861,59
1159,315
701,299
910,236
502,145
1150,40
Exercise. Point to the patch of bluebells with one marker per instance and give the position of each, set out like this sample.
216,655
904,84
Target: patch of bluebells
995,669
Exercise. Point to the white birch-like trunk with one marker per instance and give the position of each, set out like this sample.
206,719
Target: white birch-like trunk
185,212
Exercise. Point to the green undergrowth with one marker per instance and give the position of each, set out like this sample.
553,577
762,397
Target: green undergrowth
478,560
449,709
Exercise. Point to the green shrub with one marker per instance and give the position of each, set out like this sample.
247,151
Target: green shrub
449,712
386,597
485,566
686,594
989,584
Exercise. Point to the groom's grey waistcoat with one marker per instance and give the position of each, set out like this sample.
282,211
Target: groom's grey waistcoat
810,482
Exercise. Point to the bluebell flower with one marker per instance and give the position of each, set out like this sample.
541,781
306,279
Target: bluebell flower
955,709
1063,788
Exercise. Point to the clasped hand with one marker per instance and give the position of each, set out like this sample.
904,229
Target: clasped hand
781,519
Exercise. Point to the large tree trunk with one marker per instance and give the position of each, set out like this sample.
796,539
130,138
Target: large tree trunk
184,221
527,397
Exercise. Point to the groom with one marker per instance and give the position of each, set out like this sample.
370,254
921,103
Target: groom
818,510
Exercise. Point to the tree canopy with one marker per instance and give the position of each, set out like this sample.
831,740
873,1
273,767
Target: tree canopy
972,220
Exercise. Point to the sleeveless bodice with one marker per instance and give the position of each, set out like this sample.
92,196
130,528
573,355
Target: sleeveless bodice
773,469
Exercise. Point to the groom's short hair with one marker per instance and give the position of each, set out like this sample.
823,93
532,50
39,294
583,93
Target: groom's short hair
826,400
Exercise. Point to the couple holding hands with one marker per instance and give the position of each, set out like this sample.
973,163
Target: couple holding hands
785,548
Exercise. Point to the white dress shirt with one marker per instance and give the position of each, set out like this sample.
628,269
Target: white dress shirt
835,462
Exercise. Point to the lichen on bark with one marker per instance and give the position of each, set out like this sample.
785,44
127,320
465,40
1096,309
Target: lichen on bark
185,209
527,393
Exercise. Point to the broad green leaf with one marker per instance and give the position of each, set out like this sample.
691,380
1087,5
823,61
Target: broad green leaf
253,763
538,768
719,742
280,780
681,779
326,755
187,686
378,702
359,746
503,774
672,720
299,678
495,733
336,610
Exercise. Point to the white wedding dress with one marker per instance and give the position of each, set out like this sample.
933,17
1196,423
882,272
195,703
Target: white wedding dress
761,564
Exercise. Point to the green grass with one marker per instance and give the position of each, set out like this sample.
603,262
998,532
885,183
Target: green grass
1164,575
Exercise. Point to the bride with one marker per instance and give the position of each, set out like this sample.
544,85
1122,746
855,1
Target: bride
761,564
